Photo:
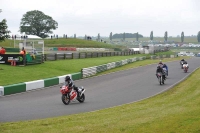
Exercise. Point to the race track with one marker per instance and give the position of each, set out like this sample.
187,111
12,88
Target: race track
101,92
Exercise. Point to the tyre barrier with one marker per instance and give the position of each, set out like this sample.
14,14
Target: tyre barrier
66,49
90,71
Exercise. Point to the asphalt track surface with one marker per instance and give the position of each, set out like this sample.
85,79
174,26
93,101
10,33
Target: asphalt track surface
101,92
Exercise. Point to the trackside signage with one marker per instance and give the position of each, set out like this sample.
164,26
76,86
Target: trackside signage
8,58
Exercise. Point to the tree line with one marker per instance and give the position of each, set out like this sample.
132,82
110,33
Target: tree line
127,35
37,23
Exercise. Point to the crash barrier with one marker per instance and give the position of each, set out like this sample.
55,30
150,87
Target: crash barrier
27,86
60,56
62,49
66,49
162,56
90,71
77,49
92,49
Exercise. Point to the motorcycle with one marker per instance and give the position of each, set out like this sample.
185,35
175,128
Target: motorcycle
181,64
69,94
160,78
185,67
165,72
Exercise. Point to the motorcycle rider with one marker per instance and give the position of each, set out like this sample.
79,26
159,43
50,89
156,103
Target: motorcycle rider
185,62
69,82
160,69
160,63
165,67
181,62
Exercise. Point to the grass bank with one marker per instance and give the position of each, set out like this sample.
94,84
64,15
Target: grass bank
17,74
62,42
174,111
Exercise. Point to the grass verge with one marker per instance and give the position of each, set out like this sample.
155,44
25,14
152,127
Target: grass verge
174,111
17,74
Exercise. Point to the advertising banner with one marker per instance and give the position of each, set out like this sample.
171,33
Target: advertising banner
8,58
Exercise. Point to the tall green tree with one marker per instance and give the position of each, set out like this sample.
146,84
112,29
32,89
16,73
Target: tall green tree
166,36
151,35
128,35
198,36
137,36
98,37
37,23
110,36
182,37
124,36
4,32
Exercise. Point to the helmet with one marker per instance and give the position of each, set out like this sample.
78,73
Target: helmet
182,59
158,67
67,78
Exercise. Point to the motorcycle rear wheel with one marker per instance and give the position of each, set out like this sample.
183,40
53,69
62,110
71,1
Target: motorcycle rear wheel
65,99
185,70
163,81
82,98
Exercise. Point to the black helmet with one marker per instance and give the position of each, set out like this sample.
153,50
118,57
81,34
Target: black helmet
67,78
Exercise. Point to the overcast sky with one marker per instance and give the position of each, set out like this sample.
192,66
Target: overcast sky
90,17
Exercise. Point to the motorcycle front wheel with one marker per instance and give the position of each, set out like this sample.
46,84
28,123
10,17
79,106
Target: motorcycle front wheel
65,99
160,80
82,98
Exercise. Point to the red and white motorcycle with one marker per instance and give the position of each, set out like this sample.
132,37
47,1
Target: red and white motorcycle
69,94
185,67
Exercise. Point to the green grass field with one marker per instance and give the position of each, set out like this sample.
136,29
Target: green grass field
174,111
70,42
48,69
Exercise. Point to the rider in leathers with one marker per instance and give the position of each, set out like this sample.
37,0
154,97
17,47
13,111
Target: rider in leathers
184,62
165,67
69,82
160,69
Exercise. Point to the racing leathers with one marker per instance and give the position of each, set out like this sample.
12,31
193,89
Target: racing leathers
160,70
71,85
